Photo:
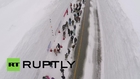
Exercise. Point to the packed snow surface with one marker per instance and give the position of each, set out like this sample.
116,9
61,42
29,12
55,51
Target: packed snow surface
120,41
28,30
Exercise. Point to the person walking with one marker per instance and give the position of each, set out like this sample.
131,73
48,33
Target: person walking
66,56
69,21
62,70
63,77
58,45
68,51
75,40
69,32
72,38
72,22
74,27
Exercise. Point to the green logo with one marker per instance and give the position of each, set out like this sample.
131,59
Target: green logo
13,64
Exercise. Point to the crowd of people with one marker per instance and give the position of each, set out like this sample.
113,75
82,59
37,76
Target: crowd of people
71,23
76,11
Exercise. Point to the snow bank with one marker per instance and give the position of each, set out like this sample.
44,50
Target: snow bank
26,32
121,58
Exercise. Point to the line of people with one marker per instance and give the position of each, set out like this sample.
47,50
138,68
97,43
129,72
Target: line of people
71,23
76,10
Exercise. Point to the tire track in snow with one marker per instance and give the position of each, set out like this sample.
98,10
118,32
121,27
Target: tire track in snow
97,56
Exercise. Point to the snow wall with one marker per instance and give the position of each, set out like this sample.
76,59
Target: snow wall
120,44
35,44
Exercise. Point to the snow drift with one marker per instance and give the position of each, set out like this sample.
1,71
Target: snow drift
121,46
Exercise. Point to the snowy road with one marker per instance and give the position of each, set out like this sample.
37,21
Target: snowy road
80,52
109,28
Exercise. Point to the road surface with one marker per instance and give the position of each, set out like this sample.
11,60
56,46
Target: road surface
80,51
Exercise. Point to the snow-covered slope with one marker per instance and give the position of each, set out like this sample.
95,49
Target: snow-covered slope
132,10
120,43
25,32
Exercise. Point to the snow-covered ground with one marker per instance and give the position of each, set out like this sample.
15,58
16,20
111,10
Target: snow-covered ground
26,32
120,41
132,11
29,28
31,32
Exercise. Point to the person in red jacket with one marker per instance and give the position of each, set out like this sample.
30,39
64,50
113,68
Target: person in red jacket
66,12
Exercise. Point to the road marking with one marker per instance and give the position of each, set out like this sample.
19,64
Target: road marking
74,77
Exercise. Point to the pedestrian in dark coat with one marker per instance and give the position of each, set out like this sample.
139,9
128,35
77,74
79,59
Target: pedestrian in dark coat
62,70
80,5
63,77
69,32
68,51
76,5
78,13
74,27
58,45
73,46
63,27
75,40
79,9
66,56
72,22
72,38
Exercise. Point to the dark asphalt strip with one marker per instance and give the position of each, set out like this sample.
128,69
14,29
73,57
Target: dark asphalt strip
77,72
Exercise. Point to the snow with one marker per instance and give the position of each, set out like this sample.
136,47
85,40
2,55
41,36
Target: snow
132,10
120,42
17,19
26,32
29,31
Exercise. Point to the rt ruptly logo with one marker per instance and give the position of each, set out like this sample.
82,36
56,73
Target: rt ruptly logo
13,64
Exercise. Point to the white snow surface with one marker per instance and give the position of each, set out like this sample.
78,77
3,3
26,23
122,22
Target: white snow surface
132,10
27,34
120,41
17,18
